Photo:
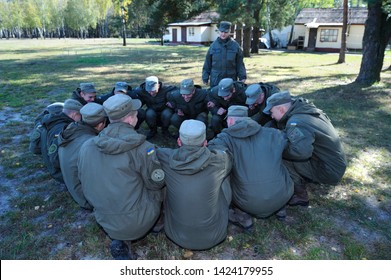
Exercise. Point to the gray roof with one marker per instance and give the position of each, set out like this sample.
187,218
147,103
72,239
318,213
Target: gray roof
323,15
205,18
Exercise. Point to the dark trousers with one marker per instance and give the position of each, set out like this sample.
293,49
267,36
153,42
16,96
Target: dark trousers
155,119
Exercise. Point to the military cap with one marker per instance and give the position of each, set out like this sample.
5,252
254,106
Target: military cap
187,86
237,111
72,104
253,92
55,107
225,87
151,83
192,132
92,113
87,88
225,26
121,86
119,105
276,99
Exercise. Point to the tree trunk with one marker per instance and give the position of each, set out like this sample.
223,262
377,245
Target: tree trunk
376,36
256,33
246,41
239,34
344,30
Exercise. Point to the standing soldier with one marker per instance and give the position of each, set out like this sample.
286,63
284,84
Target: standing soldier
224,59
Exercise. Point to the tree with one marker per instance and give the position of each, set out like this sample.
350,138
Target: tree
377,34
344,30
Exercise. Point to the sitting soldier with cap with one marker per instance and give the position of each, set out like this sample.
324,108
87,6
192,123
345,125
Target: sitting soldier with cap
123,88
85,93
314,152
226,94
153,94
198,193
224,59
190,102
70,140
256,101
121,177
260,183
52,125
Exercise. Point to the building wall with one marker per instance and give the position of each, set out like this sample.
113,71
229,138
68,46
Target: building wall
355,36
202,34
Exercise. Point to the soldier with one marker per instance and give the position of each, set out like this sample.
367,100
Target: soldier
256,101
314,152
121,177
198,193
224,59
260,183
70,141
190,102
85,93
153,94
52,125
226,94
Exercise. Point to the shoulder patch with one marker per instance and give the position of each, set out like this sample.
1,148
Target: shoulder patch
150,151
52,149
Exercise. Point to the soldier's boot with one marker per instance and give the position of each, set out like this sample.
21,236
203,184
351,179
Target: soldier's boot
120,250
240,218
281,214
300,196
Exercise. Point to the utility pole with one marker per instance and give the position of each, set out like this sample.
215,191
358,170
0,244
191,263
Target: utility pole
123,25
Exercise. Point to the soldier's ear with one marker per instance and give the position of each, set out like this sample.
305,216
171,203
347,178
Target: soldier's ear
179,142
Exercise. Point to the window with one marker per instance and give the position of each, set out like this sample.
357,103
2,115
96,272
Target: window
191,31
328,35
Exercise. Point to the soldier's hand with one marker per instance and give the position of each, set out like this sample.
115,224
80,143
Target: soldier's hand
221,111
210,104
180,113
169,105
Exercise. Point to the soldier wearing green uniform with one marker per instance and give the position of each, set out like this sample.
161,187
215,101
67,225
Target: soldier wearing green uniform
314,152
121,177
260,183
198,192
70,141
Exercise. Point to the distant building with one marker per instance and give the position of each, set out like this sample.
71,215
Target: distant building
321,29
201,29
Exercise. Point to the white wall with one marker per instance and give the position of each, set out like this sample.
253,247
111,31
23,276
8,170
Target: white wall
355,36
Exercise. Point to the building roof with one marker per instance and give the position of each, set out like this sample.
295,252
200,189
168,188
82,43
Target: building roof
324,15
205,18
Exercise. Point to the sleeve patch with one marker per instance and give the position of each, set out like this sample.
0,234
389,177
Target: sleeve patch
295,135
150,151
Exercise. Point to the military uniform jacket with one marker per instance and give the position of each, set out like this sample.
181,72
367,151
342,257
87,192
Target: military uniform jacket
260,183
53,124
194,107
122,179
197,195
313,138
238,98
268,89
70,141
158,102
224,59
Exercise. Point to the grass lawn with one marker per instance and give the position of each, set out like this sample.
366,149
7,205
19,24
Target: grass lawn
39,219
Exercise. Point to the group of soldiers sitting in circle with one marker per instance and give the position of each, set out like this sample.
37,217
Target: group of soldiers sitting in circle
244,152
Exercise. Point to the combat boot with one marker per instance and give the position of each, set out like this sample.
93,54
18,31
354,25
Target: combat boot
300,196
240,218
120,251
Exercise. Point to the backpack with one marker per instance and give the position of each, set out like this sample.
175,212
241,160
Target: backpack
35,135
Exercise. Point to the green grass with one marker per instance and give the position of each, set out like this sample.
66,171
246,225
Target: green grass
41,221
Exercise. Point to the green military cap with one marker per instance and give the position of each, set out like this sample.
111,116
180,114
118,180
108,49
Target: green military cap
121,86
119,105
72,104
192,132
92,113
253,92
276,99
225,87
225,26
237,111
187,86
87,87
